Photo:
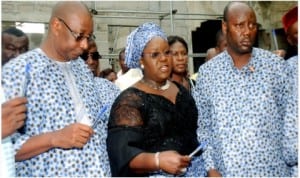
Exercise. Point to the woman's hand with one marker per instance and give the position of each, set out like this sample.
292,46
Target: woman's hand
172,162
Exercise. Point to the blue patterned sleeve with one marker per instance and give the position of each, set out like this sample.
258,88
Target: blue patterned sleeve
290,129
13,84
107,91
201,98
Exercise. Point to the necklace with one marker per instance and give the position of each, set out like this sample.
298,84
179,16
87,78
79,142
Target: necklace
155,87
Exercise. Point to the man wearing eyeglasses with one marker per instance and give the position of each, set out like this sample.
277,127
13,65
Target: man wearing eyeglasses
91,58
65,129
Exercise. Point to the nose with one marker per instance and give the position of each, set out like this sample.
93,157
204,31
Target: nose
17,53
84,44
89,60
164,57
181,57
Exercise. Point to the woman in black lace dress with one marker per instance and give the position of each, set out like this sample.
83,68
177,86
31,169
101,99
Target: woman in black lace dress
152,126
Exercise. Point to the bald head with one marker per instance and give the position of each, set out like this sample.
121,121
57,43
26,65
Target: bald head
234,5
66,8
70,30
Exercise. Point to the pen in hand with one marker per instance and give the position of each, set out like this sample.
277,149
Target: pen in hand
201,147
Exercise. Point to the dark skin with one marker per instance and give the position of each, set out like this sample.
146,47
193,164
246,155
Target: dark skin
124,68
180,60
93,64
13,46
13,115
157,71
240,30
292,34
61,45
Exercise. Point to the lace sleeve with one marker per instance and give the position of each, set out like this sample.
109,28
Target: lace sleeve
126,110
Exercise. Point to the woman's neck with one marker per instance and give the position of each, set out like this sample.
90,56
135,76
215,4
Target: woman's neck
181,79
164,85
177,78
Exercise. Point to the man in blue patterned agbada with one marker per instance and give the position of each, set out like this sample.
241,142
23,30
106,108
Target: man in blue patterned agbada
66,124
240,95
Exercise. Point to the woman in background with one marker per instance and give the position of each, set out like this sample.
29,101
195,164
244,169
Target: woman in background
179,52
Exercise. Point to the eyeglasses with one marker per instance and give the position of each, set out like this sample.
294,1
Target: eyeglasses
95,56
78,36
157,55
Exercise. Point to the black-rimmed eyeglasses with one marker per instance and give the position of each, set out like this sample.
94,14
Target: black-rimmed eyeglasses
78,36
95,56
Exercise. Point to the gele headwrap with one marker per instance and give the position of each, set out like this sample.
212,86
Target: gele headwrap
290,18
137,40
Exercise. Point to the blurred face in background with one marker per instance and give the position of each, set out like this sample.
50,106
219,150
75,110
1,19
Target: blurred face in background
179,58
13,46
292,34
91,58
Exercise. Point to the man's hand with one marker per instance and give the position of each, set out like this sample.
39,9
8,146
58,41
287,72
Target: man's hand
13,115
74,135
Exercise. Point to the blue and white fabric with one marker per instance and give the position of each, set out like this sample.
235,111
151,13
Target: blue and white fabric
241,115
138,39
50,108
290,141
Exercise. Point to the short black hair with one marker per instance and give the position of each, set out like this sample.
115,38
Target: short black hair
173,39
14,31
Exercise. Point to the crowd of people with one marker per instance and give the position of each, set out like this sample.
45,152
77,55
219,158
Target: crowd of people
63,116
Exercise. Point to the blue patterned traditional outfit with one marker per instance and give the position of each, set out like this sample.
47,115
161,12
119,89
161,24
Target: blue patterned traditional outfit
7,159
290,141
241,115
165,125
50,87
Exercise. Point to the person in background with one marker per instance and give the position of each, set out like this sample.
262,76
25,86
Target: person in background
124,68
240,96
152,126
220,46
109,74
290,26
280,52
14,43
179,52
131,76
290,141
13,115
91,57
67,111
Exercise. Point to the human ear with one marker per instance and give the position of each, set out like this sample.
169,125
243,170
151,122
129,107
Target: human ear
224,27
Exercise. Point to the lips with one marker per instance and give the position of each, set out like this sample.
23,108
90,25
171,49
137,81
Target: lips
246,42
181,66
164,68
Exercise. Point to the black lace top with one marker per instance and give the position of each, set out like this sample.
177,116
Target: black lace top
143,122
